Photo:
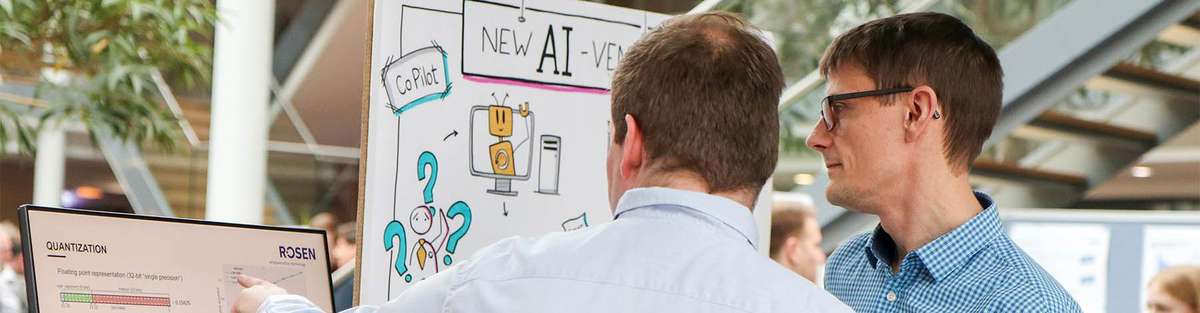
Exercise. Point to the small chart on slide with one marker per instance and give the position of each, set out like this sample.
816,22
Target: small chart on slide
286,277
84,298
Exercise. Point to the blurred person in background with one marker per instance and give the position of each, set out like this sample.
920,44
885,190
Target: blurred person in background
1174,290
16,265
12,277
345,249
344,252
796,239
326,221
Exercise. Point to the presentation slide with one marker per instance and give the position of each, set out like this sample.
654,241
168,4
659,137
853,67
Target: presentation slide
91,262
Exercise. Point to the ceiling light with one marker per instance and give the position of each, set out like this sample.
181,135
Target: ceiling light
803,179
89,193
1141,171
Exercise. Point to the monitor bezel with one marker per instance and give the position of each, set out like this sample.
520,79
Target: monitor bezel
27,246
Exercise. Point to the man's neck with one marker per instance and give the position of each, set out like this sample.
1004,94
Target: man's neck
694,182
925,211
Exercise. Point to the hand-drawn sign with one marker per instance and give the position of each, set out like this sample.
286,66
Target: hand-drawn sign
416,78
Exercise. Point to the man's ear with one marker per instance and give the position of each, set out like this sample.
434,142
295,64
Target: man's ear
788,249
921,111
633,150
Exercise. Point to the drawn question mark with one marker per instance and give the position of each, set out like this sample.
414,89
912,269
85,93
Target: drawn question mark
427,159
395,229
458,208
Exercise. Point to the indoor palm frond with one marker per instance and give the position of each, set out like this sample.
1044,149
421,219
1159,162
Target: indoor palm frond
93,62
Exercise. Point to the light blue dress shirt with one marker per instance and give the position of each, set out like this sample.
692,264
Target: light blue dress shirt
973,268
667,251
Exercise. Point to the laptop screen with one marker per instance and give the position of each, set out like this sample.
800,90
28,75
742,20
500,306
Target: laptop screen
89,261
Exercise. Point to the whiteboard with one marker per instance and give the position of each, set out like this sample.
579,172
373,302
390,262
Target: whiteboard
485,120
1128,246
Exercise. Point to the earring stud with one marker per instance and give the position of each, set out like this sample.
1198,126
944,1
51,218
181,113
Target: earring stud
937,115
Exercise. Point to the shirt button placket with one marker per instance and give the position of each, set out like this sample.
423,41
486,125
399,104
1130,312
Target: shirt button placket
890,294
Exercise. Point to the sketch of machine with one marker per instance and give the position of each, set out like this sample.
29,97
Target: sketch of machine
548,164
503,161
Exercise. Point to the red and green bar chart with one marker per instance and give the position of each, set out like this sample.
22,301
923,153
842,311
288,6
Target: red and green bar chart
98,298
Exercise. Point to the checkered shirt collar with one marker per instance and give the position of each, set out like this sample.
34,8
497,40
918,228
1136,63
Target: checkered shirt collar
947,253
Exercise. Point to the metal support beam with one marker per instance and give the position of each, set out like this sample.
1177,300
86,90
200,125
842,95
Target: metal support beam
133,174
297,35
311,52
283,215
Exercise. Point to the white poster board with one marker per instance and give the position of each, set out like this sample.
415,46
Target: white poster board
1140,243
1077,257
484,120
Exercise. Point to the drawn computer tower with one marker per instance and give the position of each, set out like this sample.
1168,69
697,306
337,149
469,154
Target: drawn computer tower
548,164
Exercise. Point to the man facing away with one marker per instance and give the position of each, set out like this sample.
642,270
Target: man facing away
912,98
796,239
694,138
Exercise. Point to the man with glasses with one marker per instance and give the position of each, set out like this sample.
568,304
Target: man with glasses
912,98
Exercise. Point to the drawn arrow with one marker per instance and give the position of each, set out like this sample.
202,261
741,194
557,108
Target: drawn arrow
505,205
452,134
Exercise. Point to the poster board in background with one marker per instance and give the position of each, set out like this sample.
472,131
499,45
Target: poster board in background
1134,236
484,120
1077,257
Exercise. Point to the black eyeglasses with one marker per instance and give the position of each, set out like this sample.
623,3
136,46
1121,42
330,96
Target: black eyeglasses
829,115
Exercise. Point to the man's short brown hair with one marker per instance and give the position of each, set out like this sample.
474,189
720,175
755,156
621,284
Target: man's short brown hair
937,50
1181,282
786,223
704,89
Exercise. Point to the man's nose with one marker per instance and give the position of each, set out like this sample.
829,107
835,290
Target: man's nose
820,138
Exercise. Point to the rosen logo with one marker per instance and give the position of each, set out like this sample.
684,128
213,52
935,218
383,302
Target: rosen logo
297,253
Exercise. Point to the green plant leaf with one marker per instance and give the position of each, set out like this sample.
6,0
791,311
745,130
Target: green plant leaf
111,48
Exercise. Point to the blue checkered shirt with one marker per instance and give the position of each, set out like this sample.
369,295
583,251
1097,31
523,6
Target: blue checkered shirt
974,268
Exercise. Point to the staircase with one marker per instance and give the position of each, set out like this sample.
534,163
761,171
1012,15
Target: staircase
1058,157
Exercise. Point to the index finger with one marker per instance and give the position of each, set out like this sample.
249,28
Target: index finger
249,281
